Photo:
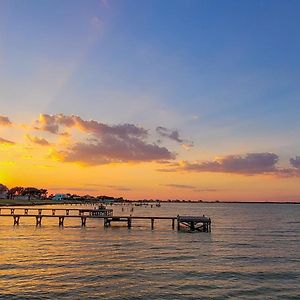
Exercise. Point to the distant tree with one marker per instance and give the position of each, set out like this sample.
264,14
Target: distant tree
15,191
43,193
31,192
3,188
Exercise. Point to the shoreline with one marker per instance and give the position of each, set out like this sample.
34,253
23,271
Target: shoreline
17,202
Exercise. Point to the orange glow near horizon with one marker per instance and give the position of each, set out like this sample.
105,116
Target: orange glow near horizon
43,166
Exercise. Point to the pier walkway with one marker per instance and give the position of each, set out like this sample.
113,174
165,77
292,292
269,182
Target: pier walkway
192,223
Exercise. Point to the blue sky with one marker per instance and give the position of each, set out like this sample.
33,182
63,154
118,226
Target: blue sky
225,74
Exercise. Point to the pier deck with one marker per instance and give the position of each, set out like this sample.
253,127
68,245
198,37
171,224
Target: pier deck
192,223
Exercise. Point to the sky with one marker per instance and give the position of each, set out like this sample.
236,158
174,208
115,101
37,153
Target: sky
187,99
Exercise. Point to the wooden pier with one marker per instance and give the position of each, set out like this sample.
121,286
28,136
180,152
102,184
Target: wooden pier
191,223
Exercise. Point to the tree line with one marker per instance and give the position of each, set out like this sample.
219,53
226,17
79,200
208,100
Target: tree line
30,192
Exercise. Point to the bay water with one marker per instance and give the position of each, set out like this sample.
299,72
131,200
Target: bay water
253,252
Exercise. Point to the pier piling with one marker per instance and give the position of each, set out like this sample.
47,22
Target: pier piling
61,221
38,220
16,220
83,221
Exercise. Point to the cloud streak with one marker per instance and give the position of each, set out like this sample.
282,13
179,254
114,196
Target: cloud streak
174,136
4,121
251,163
37,140
179,186
54,124
6,142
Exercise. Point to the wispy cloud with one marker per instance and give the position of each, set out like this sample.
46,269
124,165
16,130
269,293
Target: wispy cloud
37,140
295,162
6,142
119,188
206,190
57,123
173,135
4,121
251,163
179,186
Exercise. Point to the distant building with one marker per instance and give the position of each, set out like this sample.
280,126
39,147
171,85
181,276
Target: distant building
59,197
23,197
108,201
3,195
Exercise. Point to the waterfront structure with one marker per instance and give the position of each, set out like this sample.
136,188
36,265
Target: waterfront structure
60,197
192,223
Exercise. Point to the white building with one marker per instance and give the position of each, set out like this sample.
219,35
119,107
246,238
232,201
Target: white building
60,197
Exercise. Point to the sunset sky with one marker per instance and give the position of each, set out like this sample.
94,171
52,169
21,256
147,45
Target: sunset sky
185,99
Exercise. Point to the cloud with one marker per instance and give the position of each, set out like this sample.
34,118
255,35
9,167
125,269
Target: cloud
6,142
108,144
37,140
53,124
119,188
206,190
249,164
112,149
173,135
295,162
4,121
179,186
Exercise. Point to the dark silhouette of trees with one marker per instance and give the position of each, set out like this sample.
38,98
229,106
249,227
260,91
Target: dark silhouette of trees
3,188
43,193
31,192
15,191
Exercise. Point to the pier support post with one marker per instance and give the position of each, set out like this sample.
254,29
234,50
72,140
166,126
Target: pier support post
16,220
83,221
178,223
129,222
173,223
152,223
106,222
61,221
192,226
38,220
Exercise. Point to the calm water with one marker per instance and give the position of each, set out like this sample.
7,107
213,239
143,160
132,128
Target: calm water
253,252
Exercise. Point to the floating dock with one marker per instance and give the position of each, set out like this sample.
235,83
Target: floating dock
192,223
